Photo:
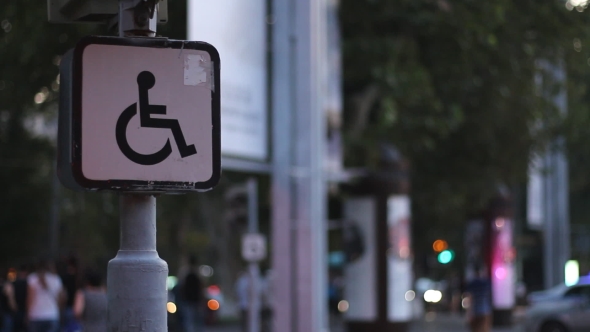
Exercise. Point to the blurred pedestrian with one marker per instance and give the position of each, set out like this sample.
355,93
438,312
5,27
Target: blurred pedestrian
333,293
7,305
20,286
70,280
455,292
242,289
45,296
192,297
90,303
479,290
267,304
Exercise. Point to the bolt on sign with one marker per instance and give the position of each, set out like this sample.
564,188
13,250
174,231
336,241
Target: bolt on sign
139,115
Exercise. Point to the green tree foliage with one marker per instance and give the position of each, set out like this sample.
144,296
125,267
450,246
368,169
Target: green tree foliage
30,52
30,49
451,84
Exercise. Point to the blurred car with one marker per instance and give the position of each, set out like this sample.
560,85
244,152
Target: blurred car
560,309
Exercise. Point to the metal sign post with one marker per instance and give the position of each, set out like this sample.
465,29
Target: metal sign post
136,277
259,249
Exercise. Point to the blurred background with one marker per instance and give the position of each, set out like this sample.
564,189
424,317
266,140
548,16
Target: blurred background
457,135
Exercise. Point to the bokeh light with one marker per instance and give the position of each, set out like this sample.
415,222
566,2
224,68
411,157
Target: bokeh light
213,305
343,306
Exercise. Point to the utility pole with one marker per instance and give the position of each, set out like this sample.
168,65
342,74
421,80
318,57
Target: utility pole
253,268
298,189
555,182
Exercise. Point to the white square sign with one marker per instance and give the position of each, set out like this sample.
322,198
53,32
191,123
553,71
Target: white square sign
253,247
145,114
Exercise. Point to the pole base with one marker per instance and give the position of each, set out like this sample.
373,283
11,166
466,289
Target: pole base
137,293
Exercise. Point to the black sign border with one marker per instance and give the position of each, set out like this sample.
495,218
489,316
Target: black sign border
137,185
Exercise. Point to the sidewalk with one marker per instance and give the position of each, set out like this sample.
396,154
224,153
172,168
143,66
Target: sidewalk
437,322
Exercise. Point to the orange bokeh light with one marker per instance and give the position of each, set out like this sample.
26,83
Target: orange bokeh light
440,245
213,305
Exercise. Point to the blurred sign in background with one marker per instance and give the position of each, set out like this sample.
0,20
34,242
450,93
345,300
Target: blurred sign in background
238,30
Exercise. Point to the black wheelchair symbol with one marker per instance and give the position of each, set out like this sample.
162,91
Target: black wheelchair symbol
146,81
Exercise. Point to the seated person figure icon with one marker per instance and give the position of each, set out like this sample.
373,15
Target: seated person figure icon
145,81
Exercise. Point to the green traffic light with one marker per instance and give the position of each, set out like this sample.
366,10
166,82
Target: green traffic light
445,256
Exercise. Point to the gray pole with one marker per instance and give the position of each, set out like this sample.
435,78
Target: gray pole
549,225
254,303
561,176
298,188
283,46
308,175
54,217
136,277
556,181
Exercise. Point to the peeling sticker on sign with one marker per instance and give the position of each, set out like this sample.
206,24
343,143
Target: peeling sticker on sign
196,69
212,77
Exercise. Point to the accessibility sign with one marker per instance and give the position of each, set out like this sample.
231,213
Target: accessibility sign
139,115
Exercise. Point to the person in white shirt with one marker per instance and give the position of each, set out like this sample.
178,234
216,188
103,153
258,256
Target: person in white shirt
45,294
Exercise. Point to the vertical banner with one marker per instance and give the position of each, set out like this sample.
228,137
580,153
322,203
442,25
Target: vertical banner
360,288
535,194
333,87
399,259
237,28
502,265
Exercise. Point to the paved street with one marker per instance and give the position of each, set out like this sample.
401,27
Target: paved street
446,323
430,323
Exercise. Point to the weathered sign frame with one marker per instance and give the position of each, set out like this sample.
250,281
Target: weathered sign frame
70,120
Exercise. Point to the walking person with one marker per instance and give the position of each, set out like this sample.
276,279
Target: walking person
192,298
480,294
242,289
455,292
20,286
244,293
45,296
267,303
7,306
90,304
70,281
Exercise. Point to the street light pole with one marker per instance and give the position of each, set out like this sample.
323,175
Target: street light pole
254,270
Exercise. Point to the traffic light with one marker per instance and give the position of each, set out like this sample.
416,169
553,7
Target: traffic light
446,256
440,245
236,205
